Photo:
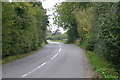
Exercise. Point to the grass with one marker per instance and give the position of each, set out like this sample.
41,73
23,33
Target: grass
102,67
97,61
62,41
16,57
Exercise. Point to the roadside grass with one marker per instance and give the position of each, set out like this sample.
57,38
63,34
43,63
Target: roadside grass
20,56
97,61
102,67
16,57
62,41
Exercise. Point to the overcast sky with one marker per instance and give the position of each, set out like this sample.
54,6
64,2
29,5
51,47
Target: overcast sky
49,4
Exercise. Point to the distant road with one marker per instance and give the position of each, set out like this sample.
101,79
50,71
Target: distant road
55,60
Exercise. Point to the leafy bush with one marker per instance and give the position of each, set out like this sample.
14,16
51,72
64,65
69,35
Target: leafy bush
89,44
103,68
57,37
97,25
107,31
24,27
108,73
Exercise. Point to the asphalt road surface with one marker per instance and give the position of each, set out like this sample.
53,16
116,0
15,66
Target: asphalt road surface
55,60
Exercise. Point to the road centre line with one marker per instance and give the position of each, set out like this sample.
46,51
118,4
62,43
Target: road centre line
41,64
34,70
57,53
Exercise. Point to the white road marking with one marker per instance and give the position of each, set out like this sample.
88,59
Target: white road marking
59,49
57,53
54,56
33,70
41,64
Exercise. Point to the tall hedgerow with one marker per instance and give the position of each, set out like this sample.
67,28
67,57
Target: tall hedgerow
24,27
97,26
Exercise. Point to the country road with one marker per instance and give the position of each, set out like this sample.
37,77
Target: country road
55,60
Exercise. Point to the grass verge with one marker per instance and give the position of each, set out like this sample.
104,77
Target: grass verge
16,57
62,41
103,68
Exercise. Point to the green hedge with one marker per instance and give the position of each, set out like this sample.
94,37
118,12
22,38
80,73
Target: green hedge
97,24
24,27
57,37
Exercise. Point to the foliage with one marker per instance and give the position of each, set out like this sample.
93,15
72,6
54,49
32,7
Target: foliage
108,73
96,25
67,20
19,56
57,37
108,38
24,27
100,65
61,41
0,31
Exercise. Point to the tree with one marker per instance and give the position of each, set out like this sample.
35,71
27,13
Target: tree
24,27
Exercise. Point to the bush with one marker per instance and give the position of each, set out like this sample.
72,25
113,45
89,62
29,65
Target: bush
108,31
24,27
57,37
